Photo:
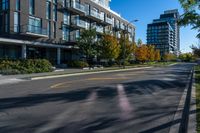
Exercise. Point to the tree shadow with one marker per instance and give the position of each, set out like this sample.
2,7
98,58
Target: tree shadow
137,87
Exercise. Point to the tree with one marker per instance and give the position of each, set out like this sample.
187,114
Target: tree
134,48
191,14
126,48
142,53
87,44
196,51
139,42
157,55
110,49
151,53
169,57
187,57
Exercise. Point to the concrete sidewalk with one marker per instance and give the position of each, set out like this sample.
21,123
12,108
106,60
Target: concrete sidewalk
192,122
10,79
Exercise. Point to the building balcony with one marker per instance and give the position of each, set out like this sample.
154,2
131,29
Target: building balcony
78,23
122,27
73,38
73,7
117,27
130,30
130,39
99,29
109,21
95,16
118,35
31,30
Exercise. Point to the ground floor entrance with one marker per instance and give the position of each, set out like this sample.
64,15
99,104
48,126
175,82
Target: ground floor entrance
55,55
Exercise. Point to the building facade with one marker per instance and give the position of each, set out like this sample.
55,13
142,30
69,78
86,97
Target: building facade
49,28
164,33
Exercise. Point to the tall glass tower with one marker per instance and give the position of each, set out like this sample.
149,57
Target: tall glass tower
164,33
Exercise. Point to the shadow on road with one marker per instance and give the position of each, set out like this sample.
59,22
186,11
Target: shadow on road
139,89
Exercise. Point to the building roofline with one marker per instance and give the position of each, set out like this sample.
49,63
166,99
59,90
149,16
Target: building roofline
114,12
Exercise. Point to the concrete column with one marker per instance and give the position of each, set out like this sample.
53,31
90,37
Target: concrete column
24,49
58,56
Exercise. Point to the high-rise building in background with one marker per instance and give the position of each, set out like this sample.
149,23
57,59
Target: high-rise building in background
164,33
49,28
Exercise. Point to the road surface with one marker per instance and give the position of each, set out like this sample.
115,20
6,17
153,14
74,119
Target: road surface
141,101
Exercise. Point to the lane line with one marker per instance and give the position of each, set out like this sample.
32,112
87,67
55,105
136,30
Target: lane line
65,84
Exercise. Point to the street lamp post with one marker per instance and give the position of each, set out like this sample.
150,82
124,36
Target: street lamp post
124,32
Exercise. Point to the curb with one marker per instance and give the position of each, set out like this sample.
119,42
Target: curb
179,122
86,73
192,126
173,64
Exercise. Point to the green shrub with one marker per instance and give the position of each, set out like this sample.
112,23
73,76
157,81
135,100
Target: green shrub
24,66
78,64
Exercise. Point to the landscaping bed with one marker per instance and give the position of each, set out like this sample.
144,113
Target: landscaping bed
11,67
197,79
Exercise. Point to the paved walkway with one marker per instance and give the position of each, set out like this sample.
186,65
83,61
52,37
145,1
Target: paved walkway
10,79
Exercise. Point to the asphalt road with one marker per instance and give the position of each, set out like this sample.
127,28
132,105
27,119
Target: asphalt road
142,101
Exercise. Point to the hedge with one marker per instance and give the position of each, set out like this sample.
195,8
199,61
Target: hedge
27,66
78,64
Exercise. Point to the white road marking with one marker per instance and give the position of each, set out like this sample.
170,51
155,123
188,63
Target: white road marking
124,103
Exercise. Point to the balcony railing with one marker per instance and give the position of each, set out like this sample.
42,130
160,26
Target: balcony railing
109,20
129,30
78,6
130,39
122,26
118,35
97,15
73,6
78,22
99,29
117,26
31,29
73,38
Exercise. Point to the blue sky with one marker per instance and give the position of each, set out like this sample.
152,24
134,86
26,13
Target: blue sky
147,10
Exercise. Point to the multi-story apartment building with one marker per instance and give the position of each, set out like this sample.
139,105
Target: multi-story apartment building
164,33
49,28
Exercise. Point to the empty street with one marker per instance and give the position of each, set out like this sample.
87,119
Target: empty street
135,101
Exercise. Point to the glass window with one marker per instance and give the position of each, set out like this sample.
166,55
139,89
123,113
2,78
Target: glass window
54,29
17,5
65,33
4,5
66,18
49,29
55,1
16,22
31,7
6,22
48,10
54,12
